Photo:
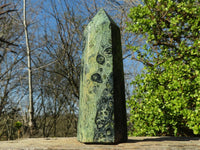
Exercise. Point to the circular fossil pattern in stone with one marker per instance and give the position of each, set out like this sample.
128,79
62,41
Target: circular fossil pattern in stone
108,132
108,65
105,91
108,50
95,89
96,78
100,59
100,69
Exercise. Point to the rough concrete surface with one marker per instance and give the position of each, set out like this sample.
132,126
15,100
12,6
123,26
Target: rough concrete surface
134,143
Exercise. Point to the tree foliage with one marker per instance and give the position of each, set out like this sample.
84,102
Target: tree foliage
166,97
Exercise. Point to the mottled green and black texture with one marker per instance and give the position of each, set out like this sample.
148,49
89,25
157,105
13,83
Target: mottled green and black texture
102,110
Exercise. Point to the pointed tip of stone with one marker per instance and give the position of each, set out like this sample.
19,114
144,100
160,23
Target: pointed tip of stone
102,16
101,12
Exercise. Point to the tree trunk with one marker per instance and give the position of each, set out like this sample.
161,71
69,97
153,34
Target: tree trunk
55,115
31,108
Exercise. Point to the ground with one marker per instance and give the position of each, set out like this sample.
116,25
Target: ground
134,143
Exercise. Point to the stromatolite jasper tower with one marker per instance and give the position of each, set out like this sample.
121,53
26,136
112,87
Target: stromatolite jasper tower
102,110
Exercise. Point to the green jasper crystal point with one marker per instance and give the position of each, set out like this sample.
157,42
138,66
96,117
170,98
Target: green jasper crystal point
102,110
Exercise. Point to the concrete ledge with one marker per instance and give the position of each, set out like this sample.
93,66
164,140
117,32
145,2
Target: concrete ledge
134,143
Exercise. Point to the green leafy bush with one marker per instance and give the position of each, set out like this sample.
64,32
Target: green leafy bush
18,125
166,96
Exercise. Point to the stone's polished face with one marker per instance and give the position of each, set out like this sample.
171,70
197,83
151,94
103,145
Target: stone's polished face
102,112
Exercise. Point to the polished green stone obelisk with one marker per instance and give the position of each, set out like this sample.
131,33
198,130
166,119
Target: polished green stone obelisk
102,110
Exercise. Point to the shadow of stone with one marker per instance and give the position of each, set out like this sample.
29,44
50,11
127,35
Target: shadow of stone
168,138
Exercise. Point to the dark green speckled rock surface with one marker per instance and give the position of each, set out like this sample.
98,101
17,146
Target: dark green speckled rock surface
102,111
